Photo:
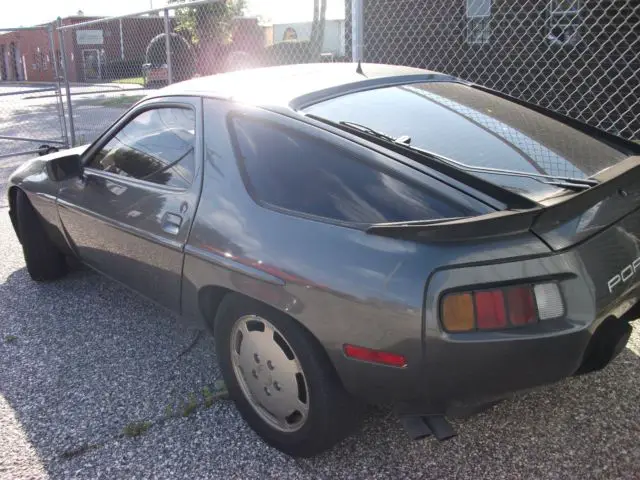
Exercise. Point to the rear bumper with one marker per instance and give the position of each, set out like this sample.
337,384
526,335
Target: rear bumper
458,375
479,372
459,370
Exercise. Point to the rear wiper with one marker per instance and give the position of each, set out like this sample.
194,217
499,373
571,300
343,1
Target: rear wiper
405,141
557,181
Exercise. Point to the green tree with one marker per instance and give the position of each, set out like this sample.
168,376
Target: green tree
207,22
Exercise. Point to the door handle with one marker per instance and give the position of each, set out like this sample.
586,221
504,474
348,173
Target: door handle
171,223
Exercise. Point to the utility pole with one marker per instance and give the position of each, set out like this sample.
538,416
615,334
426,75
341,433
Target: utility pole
357,26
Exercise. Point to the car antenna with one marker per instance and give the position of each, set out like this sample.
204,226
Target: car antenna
359,69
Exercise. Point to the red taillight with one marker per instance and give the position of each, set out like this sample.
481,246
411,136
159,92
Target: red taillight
490,310
375,356
521,306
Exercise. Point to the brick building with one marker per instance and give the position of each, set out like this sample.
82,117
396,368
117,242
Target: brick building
20,49
98,52
579,57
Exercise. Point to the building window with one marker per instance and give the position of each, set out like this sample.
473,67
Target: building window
39,60
564,22
478,21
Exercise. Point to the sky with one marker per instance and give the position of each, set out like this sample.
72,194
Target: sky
34,12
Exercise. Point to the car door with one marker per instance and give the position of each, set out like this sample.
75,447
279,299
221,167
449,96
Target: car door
130,214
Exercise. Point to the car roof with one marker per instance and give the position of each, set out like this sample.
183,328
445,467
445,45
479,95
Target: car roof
296,86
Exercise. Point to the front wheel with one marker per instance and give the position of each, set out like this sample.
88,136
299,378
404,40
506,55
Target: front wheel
44,260
281,379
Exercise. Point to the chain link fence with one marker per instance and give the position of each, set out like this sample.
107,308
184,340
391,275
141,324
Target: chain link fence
31,111
577,57
113,62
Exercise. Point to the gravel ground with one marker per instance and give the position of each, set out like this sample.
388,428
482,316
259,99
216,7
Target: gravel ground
82,358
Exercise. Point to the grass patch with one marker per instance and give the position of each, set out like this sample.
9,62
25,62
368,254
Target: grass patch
119,101
190,406
130,81
194,401
10,338
221,389
219,392
208,397
135,429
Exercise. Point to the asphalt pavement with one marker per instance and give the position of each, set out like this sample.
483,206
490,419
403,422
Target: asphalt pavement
96,382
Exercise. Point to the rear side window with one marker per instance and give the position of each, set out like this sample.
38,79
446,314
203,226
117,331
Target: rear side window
296,172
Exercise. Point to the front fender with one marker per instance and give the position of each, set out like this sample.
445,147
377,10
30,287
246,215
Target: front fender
33,179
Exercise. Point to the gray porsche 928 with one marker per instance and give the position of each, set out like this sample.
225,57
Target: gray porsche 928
355,234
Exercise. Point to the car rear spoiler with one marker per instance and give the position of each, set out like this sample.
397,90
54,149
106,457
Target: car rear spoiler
549,215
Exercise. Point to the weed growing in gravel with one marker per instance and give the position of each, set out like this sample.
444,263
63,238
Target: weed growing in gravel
10,338
190,406
81,450
219,392
135,429
208,397
221,389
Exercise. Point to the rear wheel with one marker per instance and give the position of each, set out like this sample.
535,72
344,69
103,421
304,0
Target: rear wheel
281,379
44,261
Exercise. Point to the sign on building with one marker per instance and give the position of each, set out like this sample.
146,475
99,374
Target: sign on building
290,34
89,37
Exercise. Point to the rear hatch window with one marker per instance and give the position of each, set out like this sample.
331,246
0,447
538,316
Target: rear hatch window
479,129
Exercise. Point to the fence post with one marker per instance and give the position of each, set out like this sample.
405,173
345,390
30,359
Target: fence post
357,30
121,41
60,103
167,39
65,72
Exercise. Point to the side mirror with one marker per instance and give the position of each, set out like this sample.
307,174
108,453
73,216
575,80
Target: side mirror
65,167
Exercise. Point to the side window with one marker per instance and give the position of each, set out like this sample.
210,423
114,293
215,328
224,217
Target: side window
156,146
296,172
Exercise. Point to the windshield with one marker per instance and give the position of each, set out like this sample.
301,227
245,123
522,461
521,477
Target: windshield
476,128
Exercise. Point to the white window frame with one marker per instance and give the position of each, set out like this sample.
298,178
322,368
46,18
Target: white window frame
563,19
478,24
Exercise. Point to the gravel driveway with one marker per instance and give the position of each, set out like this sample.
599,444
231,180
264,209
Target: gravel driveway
82,359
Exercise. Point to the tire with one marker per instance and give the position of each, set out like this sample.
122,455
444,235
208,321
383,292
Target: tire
44,261
332,413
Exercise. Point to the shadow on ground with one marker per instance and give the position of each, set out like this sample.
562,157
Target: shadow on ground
83,357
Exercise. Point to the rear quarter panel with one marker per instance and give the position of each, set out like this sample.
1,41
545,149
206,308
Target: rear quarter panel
343,285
